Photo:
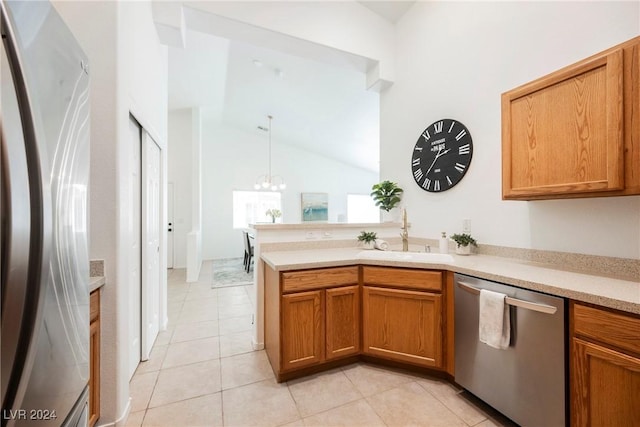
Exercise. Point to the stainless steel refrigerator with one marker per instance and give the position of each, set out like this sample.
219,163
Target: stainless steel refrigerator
44,123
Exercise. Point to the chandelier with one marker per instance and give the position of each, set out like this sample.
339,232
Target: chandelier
268,181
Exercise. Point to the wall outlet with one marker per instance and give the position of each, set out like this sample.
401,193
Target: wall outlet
311,235
327,235
466,226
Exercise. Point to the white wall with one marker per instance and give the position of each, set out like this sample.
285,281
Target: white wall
180,173
233,160
342,25
454,59
128,73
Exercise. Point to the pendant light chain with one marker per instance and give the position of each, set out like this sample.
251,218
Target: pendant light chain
268,181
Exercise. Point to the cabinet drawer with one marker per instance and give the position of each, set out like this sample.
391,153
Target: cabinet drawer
94,305
619,330
294,281
409,278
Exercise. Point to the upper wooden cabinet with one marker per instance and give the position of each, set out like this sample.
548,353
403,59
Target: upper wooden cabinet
575,132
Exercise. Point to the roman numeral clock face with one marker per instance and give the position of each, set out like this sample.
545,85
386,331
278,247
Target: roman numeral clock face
441,156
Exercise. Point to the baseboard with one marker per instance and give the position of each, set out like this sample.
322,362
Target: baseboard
257,345
122,421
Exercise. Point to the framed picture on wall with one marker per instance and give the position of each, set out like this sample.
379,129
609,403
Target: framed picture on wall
315,207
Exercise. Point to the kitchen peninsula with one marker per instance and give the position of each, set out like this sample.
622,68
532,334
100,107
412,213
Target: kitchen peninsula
328,304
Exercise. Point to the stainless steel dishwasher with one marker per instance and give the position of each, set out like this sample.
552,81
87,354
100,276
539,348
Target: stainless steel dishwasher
527,381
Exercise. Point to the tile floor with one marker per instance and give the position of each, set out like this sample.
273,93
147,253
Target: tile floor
203,372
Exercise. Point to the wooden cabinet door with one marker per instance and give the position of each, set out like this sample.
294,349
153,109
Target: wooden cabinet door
302,329
563,133
605,386
402,325
342,321
94,358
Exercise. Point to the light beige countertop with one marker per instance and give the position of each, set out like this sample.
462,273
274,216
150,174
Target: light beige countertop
95,282
605,291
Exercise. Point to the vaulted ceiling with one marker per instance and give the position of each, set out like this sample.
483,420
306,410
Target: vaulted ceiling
317,106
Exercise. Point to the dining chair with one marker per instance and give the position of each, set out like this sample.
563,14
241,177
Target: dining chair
248,251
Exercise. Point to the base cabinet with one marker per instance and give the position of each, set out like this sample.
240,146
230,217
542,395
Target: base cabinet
94,357
311,317
402,325
320,318
605,368
342,308
302,329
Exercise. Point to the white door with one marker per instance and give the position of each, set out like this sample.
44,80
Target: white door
170,225
151,227
134,248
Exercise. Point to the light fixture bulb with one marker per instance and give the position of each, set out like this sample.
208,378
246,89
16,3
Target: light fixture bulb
257,186
274,187
265,184
283,186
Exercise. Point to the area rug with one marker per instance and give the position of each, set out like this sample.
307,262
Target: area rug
230,272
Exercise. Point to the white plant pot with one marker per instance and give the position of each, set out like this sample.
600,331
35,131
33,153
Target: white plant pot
463,250
392,216
368,245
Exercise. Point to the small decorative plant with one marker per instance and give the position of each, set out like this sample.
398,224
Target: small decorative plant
273,213
464,243
367,237
386,195
464,240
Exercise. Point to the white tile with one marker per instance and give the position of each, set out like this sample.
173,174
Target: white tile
188,352
245,369
233,344
240,310
185,382
234,325
410,404
199,411
154,363
358,413
371,379
194,331
264,403
450,396
141,387
318,393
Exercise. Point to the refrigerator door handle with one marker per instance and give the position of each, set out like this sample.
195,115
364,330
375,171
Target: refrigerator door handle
23,229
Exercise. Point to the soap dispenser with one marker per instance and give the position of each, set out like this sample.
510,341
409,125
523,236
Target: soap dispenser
444,243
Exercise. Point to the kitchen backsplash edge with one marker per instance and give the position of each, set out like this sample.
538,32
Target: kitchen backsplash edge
624,268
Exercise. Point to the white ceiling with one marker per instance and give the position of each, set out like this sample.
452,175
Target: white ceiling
392,11
317,106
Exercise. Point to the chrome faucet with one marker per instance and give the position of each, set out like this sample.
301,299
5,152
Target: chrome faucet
405,232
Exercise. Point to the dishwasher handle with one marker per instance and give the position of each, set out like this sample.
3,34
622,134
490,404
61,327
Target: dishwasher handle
542,308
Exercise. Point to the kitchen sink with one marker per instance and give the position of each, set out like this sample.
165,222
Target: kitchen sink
405,256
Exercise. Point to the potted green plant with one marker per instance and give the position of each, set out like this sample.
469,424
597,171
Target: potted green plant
463,243
273,213
386,194
367,238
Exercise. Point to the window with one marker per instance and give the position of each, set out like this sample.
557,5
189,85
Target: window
362,208
250,207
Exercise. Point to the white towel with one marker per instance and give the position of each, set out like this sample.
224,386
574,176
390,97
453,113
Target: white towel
381,244
494,327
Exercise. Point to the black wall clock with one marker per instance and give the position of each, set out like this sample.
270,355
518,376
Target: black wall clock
442,155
